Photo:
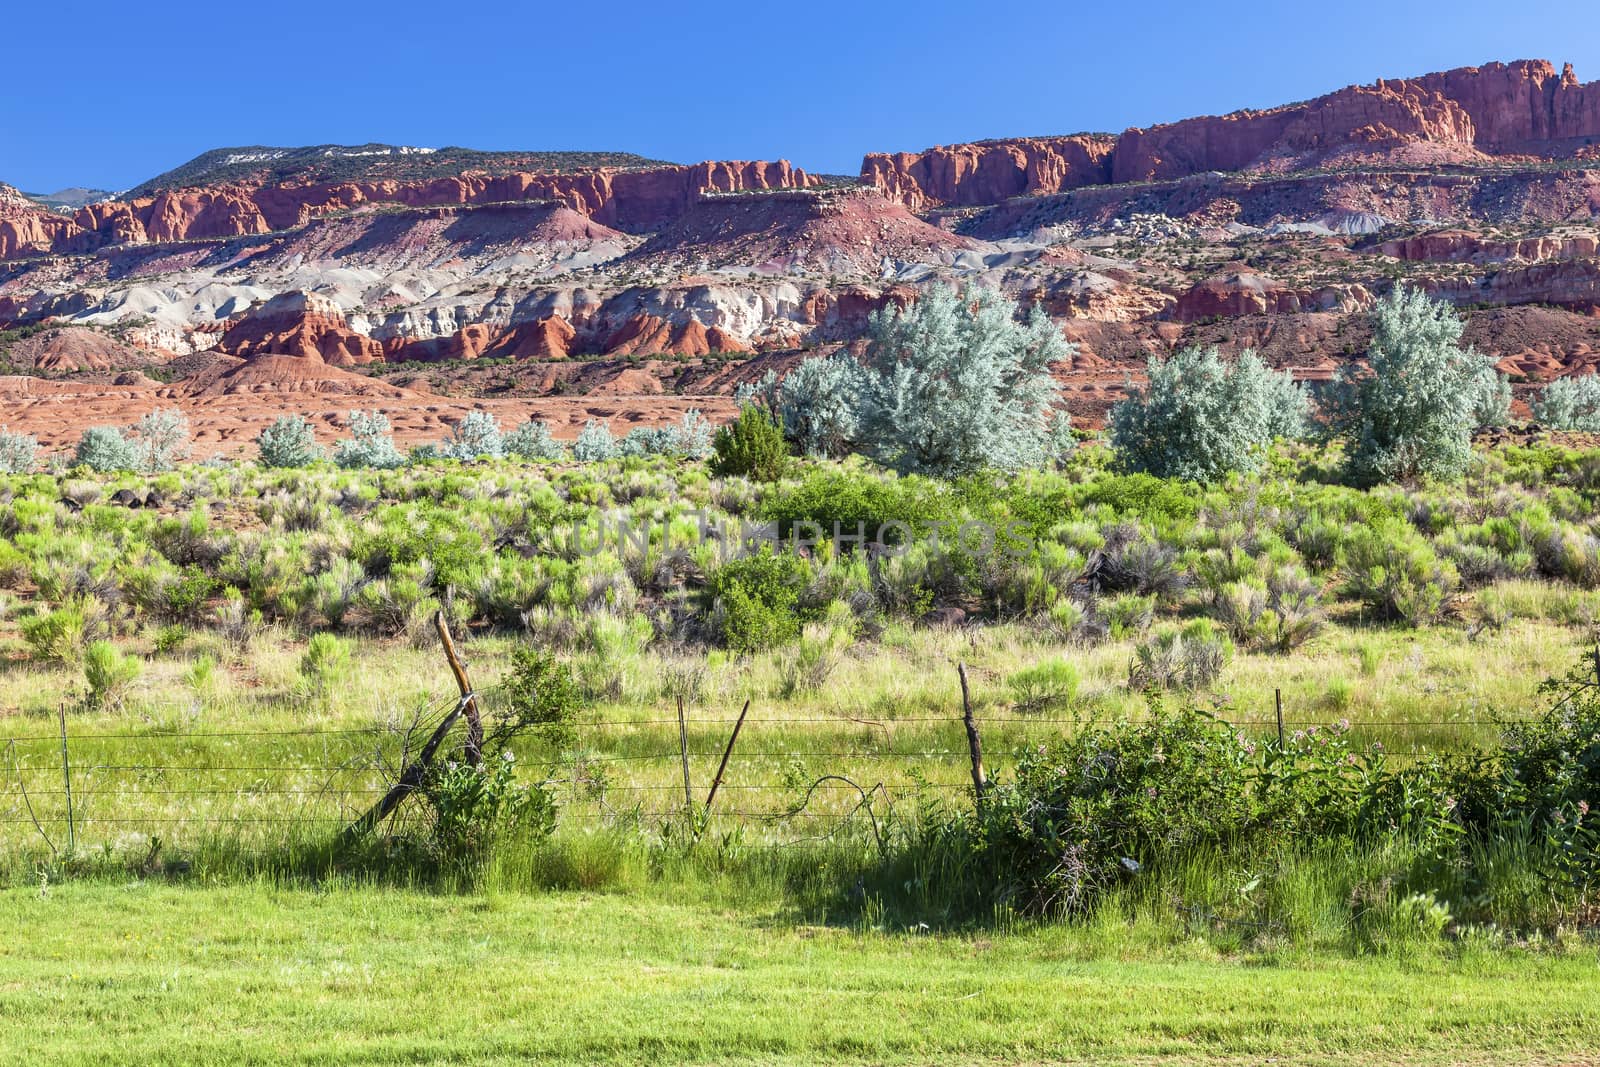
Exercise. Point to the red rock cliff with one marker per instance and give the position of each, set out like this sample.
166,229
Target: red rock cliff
627,199
989,172
1455,116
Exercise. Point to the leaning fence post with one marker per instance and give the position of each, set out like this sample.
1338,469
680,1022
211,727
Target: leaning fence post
66,777
683,755
723,766
1277,700
980,783
472,748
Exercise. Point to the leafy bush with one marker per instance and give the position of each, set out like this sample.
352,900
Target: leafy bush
958,385
533,440
288,442
1200,419
58,636
108,674
477,808
160,440
1410,411
370,444
1570,404
820,404
757,600
18,452
324,663
103,448
477,434
594,443
751,446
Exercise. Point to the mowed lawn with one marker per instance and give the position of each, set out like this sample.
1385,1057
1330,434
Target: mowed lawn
148,974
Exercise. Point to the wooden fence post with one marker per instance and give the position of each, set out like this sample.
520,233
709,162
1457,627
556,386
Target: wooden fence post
410,778
980,782
683,755
472,748
1277,700
66,777
723,766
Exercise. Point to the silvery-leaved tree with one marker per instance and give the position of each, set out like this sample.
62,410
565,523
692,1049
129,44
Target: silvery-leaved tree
957,383
477,434
1570,404
1409,410
1199,418
819,404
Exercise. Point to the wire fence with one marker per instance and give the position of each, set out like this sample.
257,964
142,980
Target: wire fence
786,776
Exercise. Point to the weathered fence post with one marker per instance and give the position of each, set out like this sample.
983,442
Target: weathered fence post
683,755
980,782
723,766
1277,700
472,748
411,776
66,777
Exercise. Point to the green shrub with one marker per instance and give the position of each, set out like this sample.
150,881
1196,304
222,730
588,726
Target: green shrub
1200,419
108,674
103,448
1396,574
752,446
288,442
58,636
325,661
1047,686
1188,658
757,600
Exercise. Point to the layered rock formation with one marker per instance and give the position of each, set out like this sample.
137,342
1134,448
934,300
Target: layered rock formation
633,200
1454,116
990,171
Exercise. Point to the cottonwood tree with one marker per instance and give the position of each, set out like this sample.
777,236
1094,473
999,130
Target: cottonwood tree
1199,418
956,384
1410,409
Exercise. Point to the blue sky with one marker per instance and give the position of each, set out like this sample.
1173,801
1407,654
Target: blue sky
107,95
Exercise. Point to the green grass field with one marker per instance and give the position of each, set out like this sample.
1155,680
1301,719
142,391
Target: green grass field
152,974
208,914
